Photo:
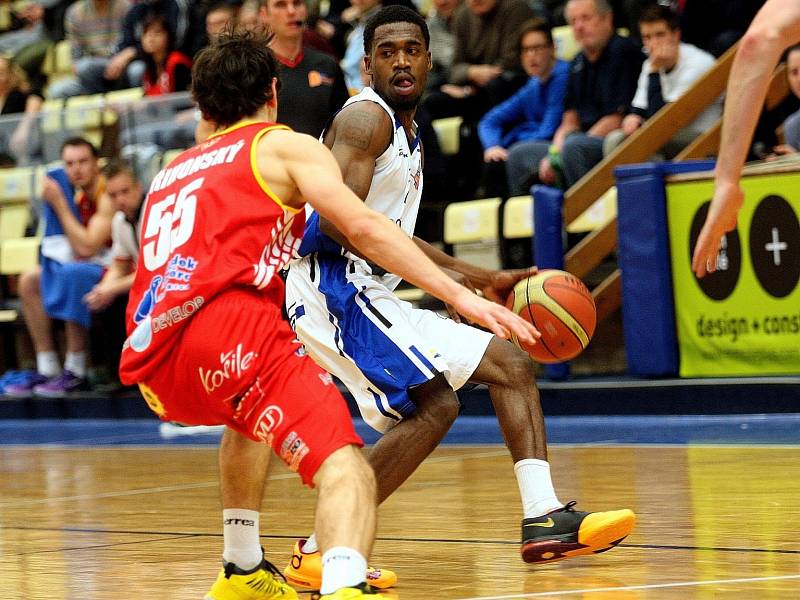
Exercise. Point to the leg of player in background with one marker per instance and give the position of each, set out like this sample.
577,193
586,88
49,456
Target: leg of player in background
395,456
403,448
550,530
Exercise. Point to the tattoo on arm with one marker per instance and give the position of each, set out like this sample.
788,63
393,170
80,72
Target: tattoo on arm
357,128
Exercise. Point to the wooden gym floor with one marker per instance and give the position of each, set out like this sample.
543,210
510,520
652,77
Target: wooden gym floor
97,510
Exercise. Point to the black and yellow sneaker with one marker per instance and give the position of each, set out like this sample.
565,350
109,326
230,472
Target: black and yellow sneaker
566,532
351,593
263,582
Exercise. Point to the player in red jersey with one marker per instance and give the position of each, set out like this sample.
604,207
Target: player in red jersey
207,344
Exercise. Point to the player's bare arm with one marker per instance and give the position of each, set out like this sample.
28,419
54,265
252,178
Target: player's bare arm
495,285
313,170
358,136
87,240
776,26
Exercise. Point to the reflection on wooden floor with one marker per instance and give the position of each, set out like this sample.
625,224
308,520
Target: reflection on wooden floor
119,523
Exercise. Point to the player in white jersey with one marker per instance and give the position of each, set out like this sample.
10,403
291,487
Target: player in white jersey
403,364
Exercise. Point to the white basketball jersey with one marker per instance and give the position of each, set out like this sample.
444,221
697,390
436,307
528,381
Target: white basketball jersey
396,184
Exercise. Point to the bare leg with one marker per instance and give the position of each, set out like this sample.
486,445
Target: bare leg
243,467
508,371
403,448
77,337
38,323
346,504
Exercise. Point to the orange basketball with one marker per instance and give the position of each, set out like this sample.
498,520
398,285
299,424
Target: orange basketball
561,307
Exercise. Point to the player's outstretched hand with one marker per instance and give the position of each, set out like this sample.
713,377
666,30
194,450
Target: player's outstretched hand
502,282
722,214
495,317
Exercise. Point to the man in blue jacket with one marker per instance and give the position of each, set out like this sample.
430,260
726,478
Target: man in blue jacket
531,115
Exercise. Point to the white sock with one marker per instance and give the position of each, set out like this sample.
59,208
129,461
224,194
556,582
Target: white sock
240,533
342,567
310,544
76,362
47,363
536,487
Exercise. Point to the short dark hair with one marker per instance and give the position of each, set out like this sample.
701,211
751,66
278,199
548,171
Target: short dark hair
534,25
80,141
394,13
232,77
658,12
117,166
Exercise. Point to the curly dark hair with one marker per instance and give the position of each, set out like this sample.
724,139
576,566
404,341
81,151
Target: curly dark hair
232,77
394,13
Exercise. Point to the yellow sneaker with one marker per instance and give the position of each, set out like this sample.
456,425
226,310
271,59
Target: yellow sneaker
262,583
305,571
567,532
351,593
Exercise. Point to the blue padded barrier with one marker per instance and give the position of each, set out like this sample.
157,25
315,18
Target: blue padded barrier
548,245
648,312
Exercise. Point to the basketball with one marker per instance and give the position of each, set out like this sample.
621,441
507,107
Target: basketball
561,307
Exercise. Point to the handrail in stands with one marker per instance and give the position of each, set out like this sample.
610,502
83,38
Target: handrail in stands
655,132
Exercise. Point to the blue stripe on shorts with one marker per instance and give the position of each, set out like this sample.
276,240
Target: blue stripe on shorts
383,363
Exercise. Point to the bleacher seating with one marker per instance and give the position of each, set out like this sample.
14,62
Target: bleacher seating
472,228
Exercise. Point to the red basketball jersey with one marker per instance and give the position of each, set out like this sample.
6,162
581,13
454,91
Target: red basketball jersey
210,223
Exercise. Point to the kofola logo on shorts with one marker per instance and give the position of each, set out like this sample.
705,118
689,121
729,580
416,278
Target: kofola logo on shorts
266,424
232,365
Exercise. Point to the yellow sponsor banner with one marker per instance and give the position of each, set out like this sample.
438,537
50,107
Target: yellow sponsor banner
745,318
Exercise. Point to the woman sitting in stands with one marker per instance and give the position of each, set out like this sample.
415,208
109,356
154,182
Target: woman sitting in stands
15,98
167,70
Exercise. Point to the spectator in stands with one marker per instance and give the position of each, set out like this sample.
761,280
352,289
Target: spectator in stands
305,72
26,27
670,69
92,28
716,25
167,70
74,253
529,116
220,16
791,126
361,10
50,26
155,126
127,59
440,25
248,17
126,195
16,98
601,85
107,300
486,68
485,71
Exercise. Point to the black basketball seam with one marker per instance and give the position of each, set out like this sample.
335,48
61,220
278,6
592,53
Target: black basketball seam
566,287
577,322
533,320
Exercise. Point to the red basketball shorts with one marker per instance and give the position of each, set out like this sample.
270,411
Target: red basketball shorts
237,363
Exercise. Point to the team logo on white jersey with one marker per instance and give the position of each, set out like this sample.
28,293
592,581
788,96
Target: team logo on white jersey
281,249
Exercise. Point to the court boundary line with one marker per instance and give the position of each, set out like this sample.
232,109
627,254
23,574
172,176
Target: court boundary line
179,534
625,588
